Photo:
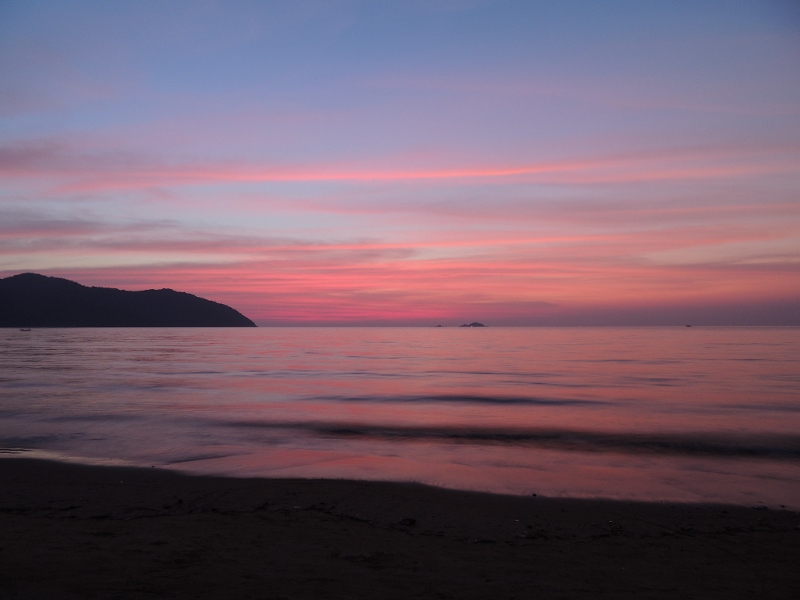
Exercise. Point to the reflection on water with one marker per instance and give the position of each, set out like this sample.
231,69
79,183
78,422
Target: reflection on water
696,414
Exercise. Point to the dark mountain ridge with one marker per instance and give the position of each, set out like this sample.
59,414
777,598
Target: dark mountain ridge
33,300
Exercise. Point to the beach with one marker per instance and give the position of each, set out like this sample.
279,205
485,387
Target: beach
75,531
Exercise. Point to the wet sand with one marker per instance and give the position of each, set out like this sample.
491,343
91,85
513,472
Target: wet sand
70,531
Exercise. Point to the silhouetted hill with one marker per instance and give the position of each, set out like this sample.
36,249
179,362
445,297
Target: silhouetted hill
32,300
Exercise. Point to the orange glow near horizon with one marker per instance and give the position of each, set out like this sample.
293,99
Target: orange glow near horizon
452,291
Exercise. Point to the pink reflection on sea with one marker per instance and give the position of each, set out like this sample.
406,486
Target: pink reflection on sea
700,414
549,473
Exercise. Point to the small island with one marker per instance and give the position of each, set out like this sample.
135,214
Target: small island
32,300
475,324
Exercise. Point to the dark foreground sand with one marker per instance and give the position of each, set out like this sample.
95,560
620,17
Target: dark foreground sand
70,531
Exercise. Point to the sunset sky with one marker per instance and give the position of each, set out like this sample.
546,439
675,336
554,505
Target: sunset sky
411,162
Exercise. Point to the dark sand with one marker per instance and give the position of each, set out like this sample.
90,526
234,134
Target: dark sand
70,531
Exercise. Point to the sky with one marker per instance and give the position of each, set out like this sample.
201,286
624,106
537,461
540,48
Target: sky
411,162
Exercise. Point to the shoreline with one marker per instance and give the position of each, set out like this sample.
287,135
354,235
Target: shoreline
77,531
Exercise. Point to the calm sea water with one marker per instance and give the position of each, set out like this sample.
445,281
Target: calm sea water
688,414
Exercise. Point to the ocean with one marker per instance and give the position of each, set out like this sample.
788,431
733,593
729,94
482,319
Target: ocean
700,414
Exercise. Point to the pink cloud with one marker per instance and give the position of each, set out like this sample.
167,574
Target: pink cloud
74,171
516,261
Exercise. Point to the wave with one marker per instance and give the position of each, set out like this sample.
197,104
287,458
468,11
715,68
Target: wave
763,407
461,398
776,447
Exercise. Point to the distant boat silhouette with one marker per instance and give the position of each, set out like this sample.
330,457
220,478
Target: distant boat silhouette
475,324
